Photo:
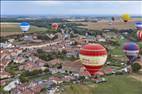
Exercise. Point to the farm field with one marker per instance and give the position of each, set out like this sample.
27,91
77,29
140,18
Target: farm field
105,24
14,29
122,84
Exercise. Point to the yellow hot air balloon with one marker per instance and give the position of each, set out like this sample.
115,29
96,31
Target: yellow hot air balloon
125,17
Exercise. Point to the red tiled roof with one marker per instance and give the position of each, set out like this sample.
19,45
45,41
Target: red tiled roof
54,62
37,88
55,78
72,66
27,91
4,73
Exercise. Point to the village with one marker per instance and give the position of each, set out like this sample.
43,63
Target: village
46,66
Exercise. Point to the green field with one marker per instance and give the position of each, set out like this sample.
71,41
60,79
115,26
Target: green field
115,85
17,29
14,27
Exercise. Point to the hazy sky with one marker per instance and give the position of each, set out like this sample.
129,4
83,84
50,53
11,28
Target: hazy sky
71,7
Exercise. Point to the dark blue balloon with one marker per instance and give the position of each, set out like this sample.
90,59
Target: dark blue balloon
138,25
131,50
131,46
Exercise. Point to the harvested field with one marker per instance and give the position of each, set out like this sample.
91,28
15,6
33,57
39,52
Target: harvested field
106,24
14,29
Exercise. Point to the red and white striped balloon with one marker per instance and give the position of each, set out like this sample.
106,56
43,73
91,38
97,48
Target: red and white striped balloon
139,34
93,57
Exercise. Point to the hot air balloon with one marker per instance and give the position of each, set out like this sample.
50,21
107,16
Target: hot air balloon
138,25
25,26
125,17
55,26
139,34
93,57
131,50
113,19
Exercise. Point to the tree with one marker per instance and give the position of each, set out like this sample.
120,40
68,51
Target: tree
46,65
23,79
59,66
46,70
136,67
64,51
82,78
70,72
40,51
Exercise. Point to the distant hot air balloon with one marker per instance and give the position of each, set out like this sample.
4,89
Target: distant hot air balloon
25,26
125,17
93,57
138,25
139,34
113,19
55,26
131,50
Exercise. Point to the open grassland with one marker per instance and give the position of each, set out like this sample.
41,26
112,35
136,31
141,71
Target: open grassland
13,29
105,24
122,84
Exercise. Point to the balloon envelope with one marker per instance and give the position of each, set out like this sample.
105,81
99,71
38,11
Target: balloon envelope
93,57
138,25
139,34
55,26
131,50
25,26
125,17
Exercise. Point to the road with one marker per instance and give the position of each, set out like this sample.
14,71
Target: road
40,46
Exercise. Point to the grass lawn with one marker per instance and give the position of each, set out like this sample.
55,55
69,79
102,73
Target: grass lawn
121,84
140,44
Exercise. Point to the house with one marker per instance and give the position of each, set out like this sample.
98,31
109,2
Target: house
36,88
19,60
53,62
108,71
51,36
57,80
100,73
107,30
68,78
90,40
72,66
36,41
72,52
27,38
32,88
11,40
11,85
3,82
101,40
4,74
6,45
30,66
125,70
55,70
84,72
